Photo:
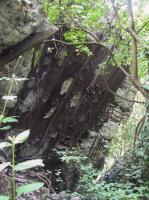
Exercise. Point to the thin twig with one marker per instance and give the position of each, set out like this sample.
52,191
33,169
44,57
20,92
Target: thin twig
143,26
89,33
114,93
128,30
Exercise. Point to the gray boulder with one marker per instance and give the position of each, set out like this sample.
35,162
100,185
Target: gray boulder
19,19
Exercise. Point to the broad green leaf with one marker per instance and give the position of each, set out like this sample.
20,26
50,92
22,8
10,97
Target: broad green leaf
4,165
5,78
9,120
4,144
29,188
5,128
21,137
4,197
29,164
146,87
10,98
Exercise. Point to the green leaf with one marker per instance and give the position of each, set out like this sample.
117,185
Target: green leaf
5,78
4,165
29,164
146,87
29,188
4,144
9,98
5,128
9,120
21,137
4,197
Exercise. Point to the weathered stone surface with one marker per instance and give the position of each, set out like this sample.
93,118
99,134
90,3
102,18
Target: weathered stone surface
20,67
117,113
5,184
22,26
18,19
21,179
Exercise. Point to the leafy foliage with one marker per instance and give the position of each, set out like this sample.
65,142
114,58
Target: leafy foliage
29,164
127,185
71,155
79,16
29,188
3,197
82,20
5,120
19,167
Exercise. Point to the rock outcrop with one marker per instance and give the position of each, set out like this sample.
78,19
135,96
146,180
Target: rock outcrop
23,26
19,19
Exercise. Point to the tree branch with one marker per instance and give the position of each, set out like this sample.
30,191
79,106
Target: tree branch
133,40
108,88
32,40
89,33
140,29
